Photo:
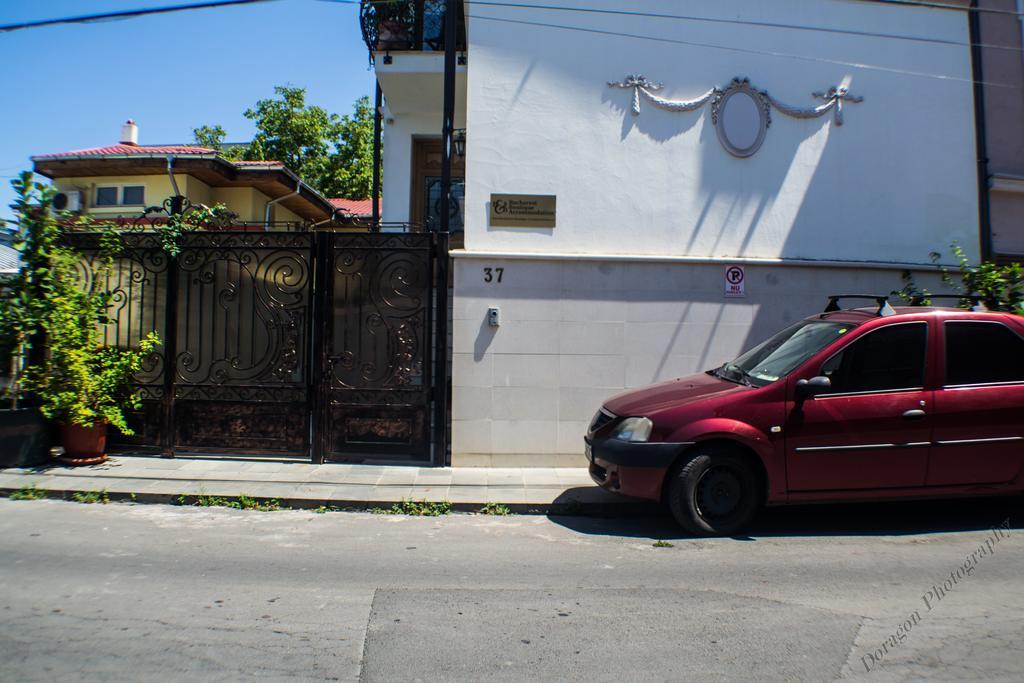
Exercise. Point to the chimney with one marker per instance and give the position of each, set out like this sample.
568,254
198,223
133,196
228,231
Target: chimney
129,133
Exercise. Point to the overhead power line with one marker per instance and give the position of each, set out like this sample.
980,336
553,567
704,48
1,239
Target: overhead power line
731,48
124,14
739,22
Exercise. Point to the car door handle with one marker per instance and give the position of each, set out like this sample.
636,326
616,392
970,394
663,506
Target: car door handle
914,414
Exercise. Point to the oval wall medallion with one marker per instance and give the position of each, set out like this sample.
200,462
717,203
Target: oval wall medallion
740,112
742,121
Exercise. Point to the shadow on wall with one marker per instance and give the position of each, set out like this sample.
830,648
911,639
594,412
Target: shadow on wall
649,321
657,124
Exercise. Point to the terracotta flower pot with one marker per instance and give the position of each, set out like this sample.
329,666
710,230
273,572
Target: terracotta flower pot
84,445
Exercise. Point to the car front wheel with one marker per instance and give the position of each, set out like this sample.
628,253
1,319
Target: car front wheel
714,493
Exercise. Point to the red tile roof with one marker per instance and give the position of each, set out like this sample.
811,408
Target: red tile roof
151,150
356,207
117,150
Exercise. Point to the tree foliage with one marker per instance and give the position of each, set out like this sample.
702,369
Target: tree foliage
1000,286
333,154
212,137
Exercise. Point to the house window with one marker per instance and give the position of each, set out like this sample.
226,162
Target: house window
128,195
106,196
134,195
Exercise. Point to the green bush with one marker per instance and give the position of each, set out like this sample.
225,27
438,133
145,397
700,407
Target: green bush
999,286
77,379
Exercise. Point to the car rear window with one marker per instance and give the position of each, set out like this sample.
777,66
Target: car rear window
982,353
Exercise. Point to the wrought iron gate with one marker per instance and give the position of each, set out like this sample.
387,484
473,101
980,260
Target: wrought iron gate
242,368
284,343
376,386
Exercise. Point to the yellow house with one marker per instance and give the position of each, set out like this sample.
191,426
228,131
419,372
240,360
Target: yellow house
122,180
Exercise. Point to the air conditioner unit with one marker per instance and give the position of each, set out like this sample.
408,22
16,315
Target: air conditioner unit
70,200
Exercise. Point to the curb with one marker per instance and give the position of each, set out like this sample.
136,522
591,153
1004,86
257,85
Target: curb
626,509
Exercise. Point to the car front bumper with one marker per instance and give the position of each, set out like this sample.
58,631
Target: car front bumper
632,469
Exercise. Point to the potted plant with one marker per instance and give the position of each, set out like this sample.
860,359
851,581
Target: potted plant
75,379
393,25
81,383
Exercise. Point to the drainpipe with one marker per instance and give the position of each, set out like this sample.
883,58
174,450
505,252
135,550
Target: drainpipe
177,203
980,137
270,204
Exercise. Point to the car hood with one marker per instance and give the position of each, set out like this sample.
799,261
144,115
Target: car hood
670,394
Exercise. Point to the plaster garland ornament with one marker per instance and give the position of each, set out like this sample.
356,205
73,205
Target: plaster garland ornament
763,103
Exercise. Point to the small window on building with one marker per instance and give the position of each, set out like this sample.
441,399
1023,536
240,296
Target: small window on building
982,353
106,196
134,195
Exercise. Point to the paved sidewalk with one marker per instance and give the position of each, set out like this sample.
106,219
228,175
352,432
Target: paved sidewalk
305,485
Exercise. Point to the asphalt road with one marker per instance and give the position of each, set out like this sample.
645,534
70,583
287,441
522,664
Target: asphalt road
151,592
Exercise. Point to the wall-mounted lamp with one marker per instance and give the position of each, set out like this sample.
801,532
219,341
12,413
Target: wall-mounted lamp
459,140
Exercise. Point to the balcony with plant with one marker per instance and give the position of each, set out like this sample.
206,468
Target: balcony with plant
408,26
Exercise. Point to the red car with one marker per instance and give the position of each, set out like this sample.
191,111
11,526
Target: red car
869,403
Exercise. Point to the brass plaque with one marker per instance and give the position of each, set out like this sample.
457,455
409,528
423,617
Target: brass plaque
523,210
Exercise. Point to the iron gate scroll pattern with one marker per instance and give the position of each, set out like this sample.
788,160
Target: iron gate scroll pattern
253,370
377,341
241,372
138,284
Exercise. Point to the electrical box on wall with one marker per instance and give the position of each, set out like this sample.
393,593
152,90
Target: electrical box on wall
493,317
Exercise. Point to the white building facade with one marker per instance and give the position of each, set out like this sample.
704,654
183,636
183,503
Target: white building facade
845,158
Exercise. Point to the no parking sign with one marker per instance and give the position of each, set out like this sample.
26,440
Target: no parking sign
735,281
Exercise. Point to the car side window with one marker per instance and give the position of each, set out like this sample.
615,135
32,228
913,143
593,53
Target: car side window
887,359
982,353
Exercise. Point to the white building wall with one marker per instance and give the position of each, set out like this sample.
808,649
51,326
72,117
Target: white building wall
628,289
398,135
892,184
575,332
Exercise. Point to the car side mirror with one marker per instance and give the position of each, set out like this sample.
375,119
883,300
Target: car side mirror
809,388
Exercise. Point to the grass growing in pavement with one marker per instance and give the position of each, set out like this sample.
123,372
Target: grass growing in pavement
28,493
495,509
90,497
663,544
241,502
416,508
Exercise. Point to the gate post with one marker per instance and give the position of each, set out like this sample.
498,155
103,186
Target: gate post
440,373
319,253
171,343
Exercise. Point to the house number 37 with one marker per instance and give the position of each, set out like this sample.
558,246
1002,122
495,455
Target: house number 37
493,274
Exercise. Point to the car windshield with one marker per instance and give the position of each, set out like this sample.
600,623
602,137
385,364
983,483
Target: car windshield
781,354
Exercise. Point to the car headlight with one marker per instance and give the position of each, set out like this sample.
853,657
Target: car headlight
633,429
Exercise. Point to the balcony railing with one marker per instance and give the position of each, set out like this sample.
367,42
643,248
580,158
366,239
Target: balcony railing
408,25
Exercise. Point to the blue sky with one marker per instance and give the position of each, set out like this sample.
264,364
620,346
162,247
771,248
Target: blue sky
72,86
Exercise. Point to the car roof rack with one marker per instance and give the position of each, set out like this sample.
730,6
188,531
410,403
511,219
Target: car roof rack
977,301
884,309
